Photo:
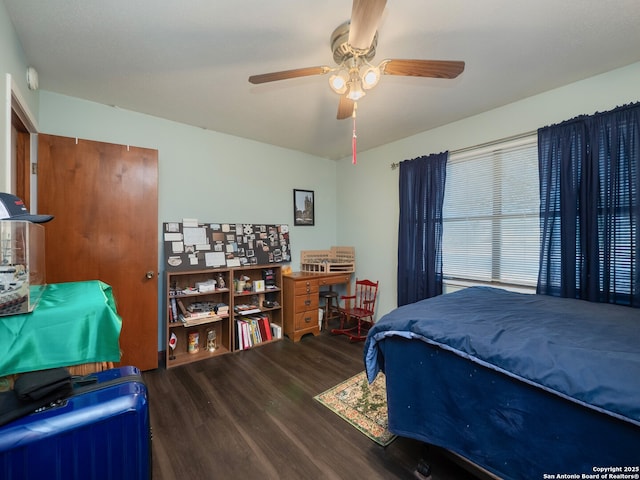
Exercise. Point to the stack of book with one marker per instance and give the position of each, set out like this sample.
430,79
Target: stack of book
252,330
246,309
222,309
195,314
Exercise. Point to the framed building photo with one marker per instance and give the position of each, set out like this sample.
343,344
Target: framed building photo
303,207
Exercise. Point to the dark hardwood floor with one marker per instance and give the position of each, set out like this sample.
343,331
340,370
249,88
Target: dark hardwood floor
251,414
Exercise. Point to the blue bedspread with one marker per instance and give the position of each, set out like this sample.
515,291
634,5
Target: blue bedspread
587,352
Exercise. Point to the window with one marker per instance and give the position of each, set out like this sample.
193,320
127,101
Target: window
491,230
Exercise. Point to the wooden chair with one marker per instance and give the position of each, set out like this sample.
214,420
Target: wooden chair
360,307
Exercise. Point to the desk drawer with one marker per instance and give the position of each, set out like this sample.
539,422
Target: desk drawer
306,302
306,286
335,279
306,319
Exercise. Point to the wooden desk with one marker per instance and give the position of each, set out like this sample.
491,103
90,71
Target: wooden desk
301,294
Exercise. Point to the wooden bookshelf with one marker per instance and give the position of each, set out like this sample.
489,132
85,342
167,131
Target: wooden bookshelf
192,320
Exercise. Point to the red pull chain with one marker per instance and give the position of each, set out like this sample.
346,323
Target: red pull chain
354,140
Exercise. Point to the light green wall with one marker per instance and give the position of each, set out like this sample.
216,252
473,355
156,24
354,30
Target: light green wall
368,192
12,62
209,175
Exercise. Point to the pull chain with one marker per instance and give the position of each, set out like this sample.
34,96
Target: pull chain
355,137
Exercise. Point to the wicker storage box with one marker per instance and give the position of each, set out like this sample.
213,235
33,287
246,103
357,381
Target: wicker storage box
336,260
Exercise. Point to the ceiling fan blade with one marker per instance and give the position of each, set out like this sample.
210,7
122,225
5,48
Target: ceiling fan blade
422,68
345,107
365,17
285,74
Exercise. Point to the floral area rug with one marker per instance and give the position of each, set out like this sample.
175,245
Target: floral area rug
362,405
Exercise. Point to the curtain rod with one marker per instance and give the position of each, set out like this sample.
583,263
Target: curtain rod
482,145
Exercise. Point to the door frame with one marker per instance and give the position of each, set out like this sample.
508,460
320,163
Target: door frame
21,178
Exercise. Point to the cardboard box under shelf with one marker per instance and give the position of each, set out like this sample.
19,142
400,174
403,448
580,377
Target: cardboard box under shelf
336,260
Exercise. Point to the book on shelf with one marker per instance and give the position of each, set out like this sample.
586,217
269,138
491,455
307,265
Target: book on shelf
183,310
207,314
243,309
276,330
240,334
254,330
246,335
193,321
265,328
174,310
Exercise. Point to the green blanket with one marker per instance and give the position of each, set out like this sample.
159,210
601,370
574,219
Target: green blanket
74,323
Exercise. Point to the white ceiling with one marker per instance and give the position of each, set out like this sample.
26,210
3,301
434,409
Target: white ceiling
189,60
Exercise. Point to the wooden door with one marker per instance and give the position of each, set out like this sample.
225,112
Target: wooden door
105,202
20,148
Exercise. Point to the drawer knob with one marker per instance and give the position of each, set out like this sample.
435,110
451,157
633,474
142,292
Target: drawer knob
307,319
307,302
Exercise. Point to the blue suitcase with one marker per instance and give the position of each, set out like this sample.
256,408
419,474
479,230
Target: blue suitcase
102,431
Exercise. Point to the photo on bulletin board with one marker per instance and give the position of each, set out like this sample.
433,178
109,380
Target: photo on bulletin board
303,208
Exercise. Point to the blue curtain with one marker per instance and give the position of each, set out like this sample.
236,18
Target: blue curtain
420,228
590,207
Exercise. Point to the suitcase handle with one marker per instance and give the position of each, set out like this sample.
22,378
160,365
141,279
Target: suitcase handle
82,381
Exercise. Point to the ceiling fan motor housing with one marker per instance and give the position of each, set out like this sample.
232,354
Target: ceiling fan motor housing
343,51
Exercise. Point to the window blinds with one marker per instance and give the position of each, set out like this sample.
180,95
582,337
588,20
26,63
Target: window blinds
491,229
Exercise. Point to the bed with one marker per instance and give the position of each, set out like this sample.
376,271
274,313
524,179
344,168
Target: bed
521,385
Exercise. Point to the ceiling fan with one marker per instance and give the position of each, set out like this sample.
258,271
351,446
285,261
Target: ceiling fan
354,45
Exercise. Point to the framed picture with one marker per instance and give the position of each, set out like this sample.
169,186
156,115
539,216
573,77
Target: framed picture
303,207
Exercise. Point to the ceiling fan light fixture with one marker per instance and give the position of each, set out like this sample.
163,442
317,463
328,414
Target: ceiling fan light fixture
355,90
339,82
370,76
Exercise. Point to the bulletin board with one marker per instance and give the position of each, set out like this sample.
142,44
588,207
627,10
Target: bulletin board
192,245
